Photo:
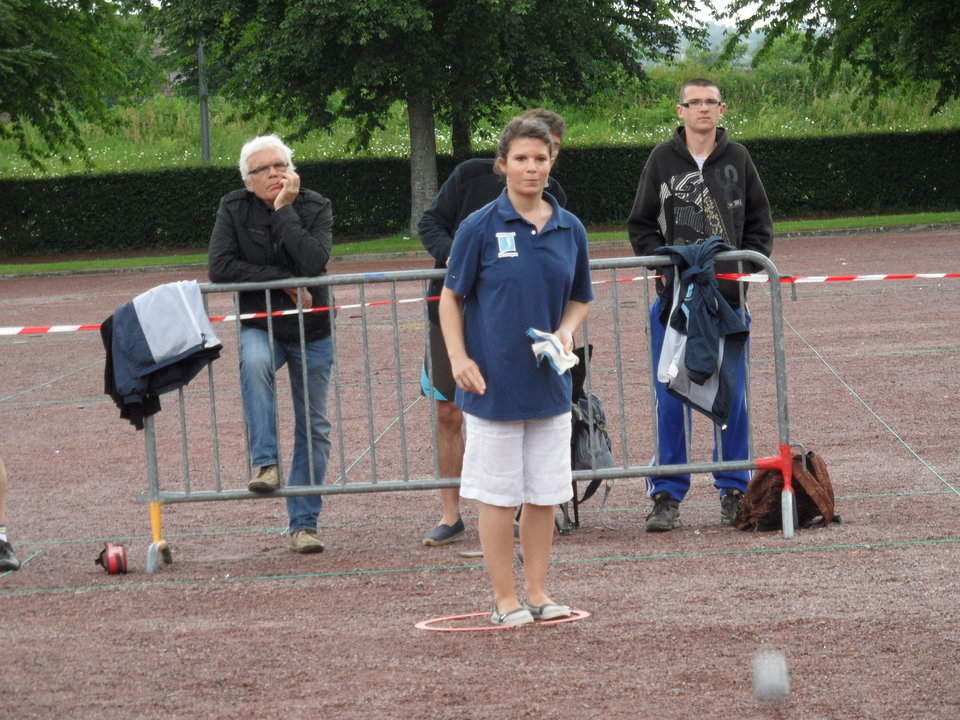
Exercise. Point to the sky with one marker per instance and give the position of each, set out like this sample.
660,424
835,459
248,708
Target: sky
721,5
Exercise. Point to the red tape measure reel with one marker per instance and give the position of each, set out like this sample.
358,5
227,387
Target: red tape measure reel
113,559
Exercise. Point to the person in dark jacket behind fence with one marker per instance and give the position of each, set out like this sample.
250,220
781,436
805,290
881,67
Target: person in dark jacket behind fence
696,185
472,184
273,230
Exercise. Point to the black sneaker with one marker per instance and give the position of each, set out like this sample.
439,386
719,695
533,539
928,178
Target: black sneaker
665,514
444,534
8,561
729,505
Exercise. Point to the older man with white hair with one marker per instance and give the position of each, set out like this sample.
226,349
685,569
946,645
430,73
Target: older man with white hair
271,230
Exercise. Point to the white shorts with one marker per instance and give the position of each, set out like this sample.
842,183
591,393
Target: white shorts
508,463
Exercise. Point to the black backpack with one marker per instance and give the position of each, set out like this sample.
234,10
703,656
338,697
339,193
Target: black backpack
590,444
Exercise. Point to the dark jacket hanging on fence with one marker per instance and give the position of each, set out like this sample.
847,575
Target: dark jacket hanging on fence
157,343
705,336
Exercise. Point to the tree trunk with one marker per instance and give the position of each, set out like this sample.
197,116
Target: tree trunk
423,154
460,137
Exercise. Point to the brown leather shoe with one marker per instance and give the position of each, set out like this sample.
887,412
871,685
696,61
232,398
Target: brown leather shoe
305,541
267,480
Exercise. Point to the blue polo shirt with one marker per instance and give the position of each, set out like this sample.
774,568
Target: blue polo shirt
513,278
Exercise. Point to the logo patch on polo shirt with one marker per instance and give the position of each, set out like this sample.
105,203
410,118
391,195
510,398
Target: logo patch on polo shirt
507,242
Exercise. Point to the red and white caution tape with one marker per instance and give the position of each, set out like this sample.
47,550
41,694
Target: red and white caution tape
45,329
797,279
38,330
743,277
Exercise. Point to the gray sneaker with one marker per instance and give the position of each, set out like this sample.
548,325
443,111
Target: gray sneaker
665,514
729,505
8,561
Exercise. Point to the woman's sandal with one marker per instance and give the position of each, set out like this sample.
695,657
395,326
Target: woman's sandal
547,611
520,616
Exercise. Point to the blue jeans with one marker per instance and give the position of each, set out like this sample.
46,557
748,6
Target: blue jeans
257,385
672,414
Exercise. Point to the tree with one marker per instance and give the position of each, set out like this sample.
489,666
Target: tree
60,62
888,40
314,61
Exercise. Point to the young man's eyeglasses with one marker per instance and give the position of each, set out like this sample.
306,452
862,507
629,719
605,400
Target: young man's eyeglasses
710,103
264,168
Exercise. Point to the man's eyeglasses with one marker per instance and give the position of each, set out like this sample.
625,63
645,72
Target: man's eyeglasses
710,103
275,166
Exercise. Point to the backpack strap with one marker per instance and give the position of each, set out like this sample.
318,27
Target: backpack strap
815,480
591,489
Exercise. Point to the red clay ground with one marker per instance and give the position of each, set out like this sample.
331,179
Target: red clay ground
866,612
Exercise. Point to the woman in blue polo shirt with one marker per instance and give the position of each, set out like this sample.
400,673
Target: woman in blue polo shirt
518,263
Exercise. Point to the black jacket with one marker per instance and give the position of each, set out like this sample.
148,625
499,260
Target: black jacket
470,186
253,243
678,204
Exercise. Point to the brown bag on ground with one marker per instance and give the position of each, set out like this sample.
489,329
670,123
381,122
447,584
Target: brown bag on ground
760,508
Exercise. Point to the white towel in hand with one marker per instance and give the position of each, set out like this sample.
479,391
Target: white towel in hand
549,346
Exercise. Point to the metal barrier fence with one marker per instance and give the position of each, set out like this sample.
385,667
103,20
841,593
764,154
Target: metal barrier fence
384,434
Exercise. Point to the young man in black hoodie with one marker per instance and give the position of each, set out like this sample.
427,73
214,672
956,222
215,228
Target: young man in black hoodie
694,186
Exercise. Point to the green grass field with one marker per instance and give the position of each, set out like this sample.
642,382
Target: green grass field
780,97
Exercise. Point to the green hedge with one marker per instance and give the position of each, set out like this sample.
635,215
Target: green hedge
806,177
860,174
177,208
846,175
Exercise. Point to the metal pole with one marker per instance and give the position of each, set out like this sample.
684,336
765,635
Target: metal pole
204,123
